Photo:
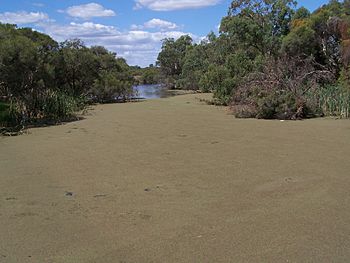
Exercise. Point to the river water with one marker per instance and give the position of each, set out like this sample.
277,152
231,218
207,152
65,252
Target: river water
151,91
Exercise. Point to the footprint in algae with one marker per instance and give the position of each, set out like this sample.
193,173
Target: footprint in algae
11,199
145,216
288,180
100,195
158,187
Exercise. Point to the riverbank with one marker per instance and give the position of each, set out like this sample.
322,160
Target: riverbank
176,180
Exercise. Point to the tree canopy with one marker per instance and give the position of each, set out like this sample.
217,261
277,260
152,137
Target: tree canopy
255,37
40,78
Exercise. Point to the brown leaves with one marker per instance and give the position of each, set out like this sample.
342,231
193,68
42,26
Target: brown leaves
280,89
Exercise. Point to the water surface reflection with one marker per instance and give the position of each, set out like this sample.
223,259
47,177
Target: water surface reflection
151,91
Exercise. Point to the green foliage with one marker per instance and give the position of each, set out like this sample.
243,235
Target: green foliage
334,101
148,75
42,79
151,75
301,13
113,81
9,114
257,26
58,105
77,67
4,113
171,58
18,65
223,94
213,78
281,90
253,34
108,88
300,42
193,67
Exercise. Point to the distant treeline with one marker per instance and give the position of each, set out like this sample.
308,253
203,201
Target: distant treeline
42,79
147,75
270,60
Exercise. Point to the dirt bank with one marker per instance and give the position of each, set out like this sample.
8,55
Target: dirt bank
174,180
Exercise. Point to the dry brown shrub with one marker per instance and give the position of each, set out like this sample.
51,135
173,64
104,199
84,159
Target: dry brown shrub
280,90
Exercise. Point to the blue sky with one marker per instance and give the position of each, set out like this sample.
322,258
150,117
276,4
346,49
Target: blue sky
132,28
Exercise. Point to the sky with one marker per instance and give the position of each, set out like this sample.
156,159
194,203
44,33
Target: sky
133,29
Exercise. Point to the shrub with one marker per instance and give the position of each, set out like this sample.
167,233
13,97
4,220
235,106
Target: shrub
223,93
109,88
59,106
4,113
281,90
217,80
9,114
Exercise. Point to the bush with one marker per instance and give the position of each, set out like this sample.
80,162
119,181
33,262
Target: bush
281,90
43,79
212,79
9,114
59,106
189,81
223,93
4,113
109,88
51,105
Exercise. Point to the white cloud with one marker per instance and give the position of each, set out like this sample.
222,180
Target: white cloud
76,30
168,5
23,17
88,11
138,47
156,23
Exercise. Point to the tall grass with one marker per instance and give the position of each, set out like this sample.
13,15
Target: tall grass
48,106
3,112
59,106
334,101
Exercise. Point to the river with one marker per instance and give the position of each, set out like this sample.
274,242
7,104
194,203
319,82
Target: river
151,91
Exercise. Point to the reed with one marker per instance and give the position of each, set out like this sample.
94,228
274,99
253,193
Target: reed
334,101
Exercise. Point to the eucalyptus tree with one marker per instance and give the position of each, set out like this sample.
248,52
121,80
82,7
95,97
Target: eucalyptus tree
171,57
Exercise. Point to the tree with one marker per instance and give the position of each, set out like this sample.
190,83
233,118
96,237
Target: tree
253,35
171,58
114,80
301,41
257,26
194,64
109,88
301,13
79,67
40,78
18,66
